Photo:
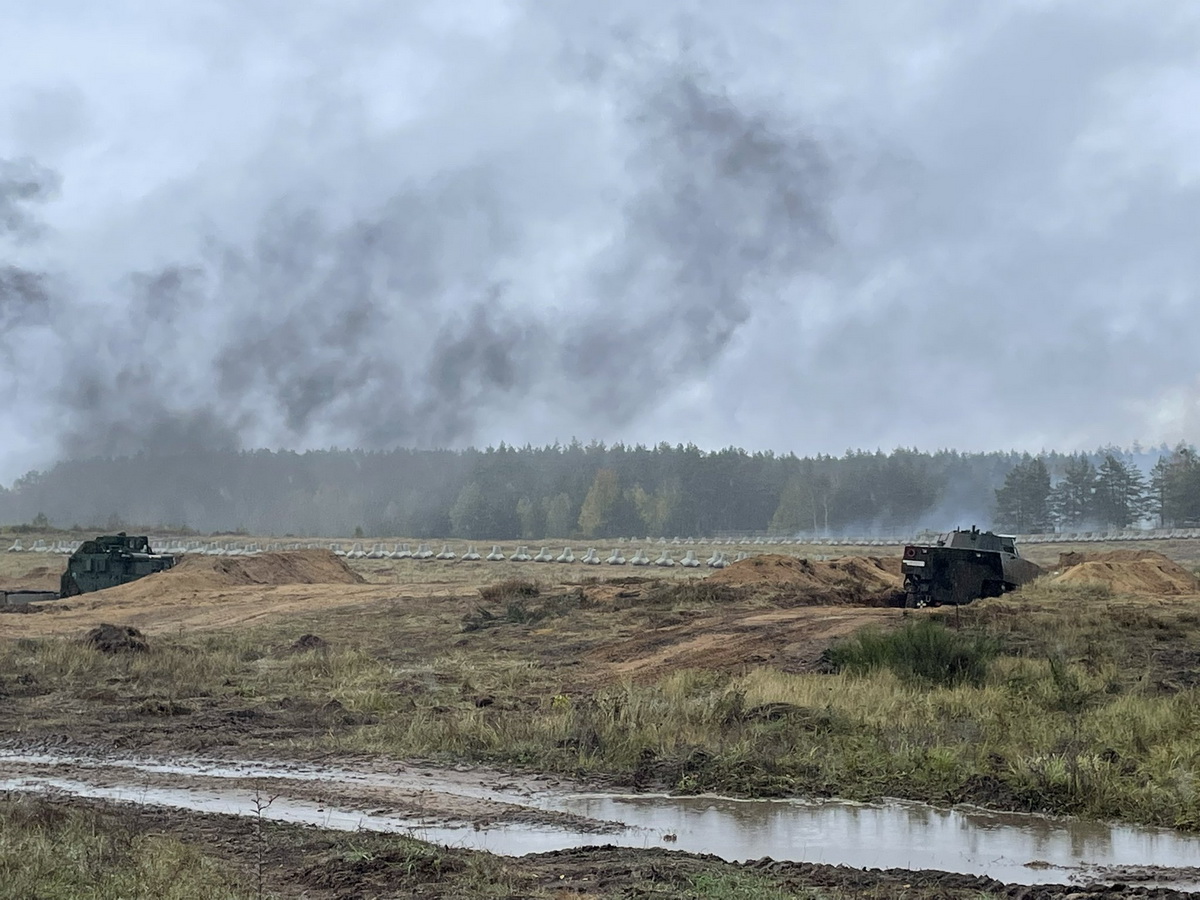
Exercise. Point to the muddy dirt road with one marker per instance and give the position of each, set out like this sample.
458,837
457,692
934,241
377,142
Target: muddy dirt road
514,815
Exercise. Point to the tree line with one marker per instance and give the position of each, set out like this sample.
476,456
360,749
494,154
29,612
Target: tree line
1114,494
598,491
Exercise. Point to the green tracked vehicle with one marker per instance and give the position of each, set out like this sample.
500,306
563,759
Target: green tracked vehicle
110,560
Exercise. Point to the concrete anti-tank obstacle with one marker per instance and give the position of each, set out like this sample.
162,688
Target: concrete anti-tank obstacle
664,560
16,547
639,558
590,558
522,554
423,552
742,554
566,556
446,553
616,559
544,555
38,547
495,555
336,550
689,560
472,554
377,552
400,551
718,562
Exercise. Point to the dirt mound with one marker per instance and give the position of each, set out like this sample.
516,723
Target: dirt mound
39,578
116,639
308,642
200,573
851,579
1128,571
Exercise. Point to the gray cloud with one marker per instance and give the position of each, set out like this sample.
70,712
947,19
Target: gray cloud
794,226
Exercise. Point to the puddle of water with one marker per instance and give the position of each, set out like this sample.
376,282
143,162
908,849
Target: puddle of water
896,834
893,834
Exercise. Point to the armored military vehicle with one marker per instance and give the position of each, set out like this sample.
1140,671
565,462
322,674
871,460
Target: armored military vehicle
962,566
109,560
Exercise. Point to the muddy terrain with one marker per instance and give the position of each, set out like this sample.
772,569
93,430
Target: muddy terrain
478,705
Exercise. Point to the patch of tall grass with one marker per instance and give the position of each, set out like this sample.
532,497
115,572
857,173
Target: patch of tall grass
51,852
921,650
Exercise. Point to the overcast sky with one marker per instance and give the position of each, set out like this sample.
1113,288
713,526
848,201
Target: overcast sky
802,226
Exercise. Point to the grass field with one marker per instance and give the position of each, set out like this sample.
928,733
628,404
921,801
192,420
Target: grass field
1062,698
1087,702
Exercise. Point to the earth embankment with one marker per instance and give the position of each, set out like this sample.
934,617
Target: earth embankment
789,580
1128,572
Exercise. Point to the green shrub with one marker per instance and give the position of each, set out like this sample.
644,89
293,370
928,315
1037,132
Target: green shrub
509,590
518,612
924,651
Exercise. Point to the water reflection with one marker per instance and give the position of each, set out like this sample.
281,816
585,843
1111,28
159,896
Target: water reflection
894,834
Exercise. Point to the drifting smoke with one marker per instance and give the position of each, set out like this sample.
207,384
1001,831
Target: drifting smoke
23,183
24,296
730,206
434,224
403,326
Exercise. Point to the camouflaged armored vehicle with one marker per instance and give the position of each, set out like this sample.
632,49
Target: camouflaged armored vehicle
963,566
109,560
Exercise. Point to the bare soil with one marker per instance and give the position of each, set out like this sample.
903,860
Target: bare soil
792,640
207,572
1129,572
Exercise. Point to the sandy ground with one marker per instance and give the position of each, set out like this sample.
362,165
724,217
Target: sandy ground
205,593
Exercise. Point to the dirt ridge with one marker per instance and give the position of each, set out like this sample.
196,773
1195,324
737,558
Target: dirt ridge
198,573
850,579
1128,571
